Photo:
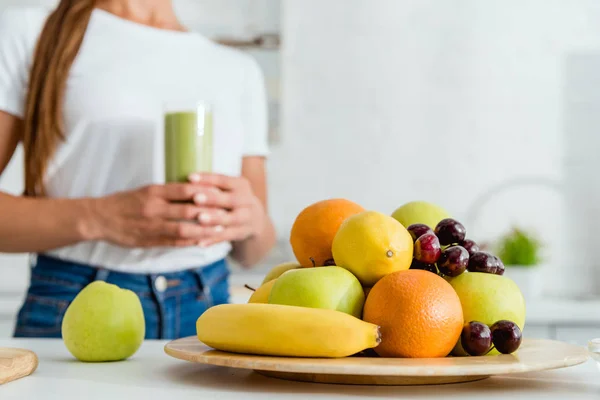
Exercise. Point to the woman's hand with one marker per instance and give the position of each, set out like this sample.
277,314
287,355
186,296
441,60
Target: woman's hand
229,208
156,215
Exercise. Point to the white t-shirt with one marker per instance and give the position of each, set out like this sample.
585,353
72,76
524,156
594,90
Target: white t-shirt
123,75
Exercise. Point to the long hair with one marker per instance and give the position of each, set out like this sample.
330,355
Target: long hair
56,49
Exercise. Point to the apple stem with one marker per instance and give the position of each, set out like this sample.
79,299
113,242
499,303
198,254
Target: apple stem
312,260
251,288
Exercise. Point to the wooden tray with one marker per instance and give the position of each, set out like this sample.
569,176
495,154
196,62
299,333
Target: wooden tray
533,355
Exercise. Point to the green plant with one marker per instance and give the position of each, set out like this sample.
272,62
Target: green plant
519,248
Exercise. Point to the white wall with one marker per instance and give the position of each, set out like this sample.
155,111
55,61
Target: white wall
388,101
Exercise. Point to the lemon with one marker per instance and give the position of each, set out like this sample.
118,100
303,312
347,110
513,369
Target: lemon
371,245
261,295
279,269
420,212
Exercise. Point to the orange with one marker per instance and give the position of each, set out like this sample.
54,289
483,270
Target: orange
419,313
314,228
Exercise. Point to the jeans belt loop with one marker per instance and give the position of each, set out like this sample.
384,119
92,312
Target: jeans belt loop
203,285
101,274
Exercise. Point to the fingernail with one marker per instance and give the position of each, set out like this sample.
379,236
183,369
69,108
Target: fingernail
205,218
200,198
194,178
219,228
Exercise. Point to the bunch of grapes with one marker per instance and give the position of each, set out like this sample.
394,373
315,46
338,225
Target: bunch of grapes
478,339
445,250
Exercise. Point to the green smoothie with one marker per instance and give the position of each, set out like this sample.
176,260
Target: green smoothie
188,144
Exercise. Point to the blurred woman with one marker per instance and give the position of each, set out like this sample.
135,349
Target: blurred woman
82,88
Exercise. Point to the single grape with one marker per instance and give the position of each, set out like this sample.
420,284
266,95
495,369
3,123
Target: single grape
427,248
450,231
476,338
427,267
453,261
482,261
418,230
499,266
470,245
506,336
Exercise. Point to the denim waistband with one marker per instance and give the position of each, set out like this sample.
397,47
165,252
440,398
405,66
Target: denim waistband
74,273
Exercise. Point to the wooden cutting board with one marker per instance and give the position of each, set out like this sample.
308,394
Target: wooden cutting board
16,363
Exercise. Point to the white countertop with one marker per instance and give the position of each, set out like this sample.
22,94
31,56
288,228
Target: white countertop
151,374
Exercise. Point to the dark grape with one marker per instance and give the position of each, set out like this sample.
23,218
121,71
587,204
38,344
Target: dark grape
470,245
499,266
450,231
418,230
482,261
427,248
506,336
476,338
427,267
453,261
366,353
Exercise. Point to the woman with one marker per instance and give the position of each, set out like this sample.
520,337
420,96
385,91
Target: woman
82,88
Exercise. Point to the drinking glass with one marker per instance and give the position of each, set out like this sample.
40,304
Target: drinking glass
188,139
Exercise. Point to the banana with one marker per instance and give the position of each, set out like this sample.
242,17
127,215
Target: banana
278,330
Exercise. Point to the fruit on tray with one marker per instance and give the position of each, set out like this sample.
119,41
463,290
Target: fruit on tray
277,270
470,246
429,287
450,231
278,330
332,288
427,267
476,338
420,212
315,227
453,261
488,298
483,261
419,313
506,336
445,250
104,323
261,295
499,266
371,245
418,230
427,248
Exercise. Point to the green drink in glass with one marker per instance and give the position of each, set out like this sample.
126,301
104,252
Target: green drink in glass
188,136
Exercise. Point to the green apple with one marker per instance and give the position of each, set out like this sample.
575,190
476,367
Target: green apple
104,323
332,288
277,270
261,295
420,212
488,298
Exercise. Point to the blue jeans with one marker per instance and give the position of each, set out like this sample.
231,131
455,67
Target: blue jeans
172,302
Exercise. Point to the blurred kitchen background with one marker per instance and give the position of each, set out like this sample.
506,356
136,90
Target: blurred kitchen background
490,108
